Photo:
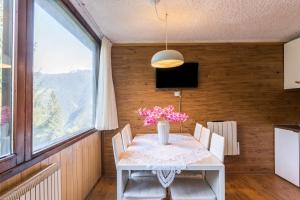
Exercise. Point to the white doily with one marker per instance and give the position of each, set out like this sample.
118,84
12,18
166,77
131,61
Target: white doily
166,160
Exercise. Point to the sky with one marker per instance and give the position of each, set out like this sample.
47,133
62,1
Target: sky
56,50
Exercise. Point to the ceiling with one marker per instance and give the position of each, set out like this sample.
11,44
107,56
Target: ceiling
135,21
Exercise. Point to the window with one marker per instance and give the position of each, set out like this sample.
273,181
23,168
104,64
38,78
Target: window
64,85
48,65
6,74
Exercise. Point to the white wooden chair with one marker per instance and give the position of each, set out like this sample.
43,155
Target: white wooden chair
138,187
117,147
125,138
197,131
129,133
217,146
204,137
191,189
198,189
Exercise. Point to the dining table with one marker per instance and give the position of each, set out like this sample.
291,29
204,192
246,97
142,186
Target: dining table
182,153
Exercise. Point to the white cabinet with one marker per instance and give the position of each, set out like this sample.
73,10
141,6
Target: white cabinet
287,155
292,64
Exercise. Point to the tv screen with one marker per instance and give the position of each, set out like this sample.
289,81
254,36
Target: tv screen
184,76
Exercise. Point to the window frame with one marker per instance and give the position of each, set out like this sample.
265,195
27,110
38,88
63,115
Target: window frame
29,125
16,156
23,156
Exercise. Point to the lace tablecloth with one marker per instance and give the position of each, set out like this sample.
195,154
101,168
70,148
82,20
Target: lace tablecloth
165,160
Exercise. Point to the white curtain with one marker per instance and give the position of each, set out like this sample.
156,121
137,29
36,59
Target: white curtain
106,111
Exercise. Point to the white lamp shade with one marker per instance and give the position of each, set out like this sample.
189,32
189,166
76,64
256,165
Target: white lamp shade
167,59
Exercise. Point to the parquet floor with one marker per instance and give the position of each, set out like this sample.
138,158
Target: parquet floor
238,187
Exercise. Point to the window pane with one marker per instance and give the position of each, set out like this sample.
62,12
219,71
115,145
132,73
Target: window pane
63,75
6,63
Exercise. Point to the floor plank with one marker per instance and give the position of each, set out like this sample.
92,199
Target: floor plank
238,187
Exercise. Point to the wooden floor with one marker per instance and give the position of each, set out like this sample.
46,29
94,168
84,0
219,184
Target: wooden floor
238,187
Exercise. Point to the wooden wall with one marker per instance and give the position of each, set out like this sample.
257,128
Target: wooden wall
80,168
242,82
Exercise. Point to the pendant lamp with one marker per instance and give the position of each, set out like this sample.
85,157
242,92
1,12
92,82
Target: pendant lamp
167,58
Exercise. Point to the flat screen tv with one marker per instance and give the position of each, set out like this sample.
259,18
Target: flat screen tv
184,76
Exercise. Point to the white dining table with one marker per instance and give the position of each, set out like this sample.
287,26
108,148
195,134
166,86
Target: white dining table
182,153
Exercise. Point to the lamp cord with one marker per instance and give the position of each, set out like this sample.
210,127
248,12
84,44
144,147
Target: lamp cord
180,103
166,30
166,23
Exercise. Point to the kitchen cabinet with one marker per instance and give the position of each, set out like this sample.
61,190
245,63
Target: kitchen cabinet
292,64
287,153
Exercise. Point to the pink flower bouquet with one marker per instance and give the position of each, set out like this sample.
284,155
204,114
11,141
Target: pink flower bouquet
153,115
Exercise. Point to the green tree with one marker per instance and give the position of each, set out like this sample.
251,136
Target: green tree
47,116
54,120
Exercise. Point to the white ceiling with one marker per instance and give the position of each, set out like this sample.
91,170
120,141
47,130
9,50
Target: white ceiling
135,21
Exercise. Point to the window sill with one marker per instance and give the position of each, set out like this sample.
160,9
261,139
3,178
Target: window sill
38,157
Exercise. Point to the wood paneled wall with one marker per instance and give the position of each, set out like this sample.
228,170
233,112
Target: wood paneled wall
80,168
241,82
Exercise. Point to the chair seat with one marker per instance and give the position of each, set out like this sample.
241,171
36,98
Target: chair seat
191,174
191,189
143,173
144,188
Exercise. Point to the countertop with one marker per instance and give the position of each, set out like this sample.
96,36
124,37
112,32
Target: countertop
291,127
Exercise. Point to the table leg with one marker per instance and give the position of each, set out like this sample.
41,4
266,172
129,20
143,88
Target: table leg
222,182
119,185
216,180
122,178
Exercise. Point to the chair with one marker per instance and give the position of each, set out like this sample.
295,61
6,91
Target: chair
126,135
129,133
204,137
217,146
117,147
198,189
197,131
125,138
139,187
191,189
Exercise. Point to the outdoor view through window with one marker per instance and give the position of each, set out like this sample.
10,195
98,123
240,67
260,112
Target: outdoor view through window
63,75
6,66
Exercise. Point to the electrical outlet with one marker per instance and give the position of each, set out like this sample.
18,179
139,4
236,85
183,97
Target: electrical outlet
177,94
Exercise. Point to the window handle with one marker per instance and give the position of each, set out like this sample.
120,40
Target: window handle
298,82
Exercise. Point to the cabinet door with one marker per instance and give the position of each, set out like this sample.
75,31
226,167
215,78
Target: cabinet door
287,155
292,64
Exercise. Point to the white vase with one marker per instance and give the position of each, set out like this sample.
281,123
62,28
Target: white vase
163,129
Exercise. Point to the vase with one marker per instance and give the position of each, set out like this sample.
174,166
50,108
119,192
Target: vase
163,129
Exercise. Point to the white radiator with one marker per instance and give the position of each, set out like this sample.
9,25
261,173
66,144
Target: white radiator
45,185
228,129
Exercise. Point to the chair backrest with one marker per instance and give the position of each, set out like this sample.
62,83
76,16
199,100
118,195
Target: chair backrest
197,131
125,138
117,147
204,137
129,133
217,146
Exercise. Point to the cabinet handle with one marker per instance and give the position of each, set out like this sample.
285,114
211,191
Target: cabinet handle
298,82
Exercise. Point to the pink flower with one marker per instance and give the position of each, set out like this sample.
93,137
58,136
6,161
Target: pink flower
153,115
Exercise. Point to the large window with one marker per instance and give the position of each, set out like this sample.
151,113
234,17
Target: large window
6,69
48,65
64,86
